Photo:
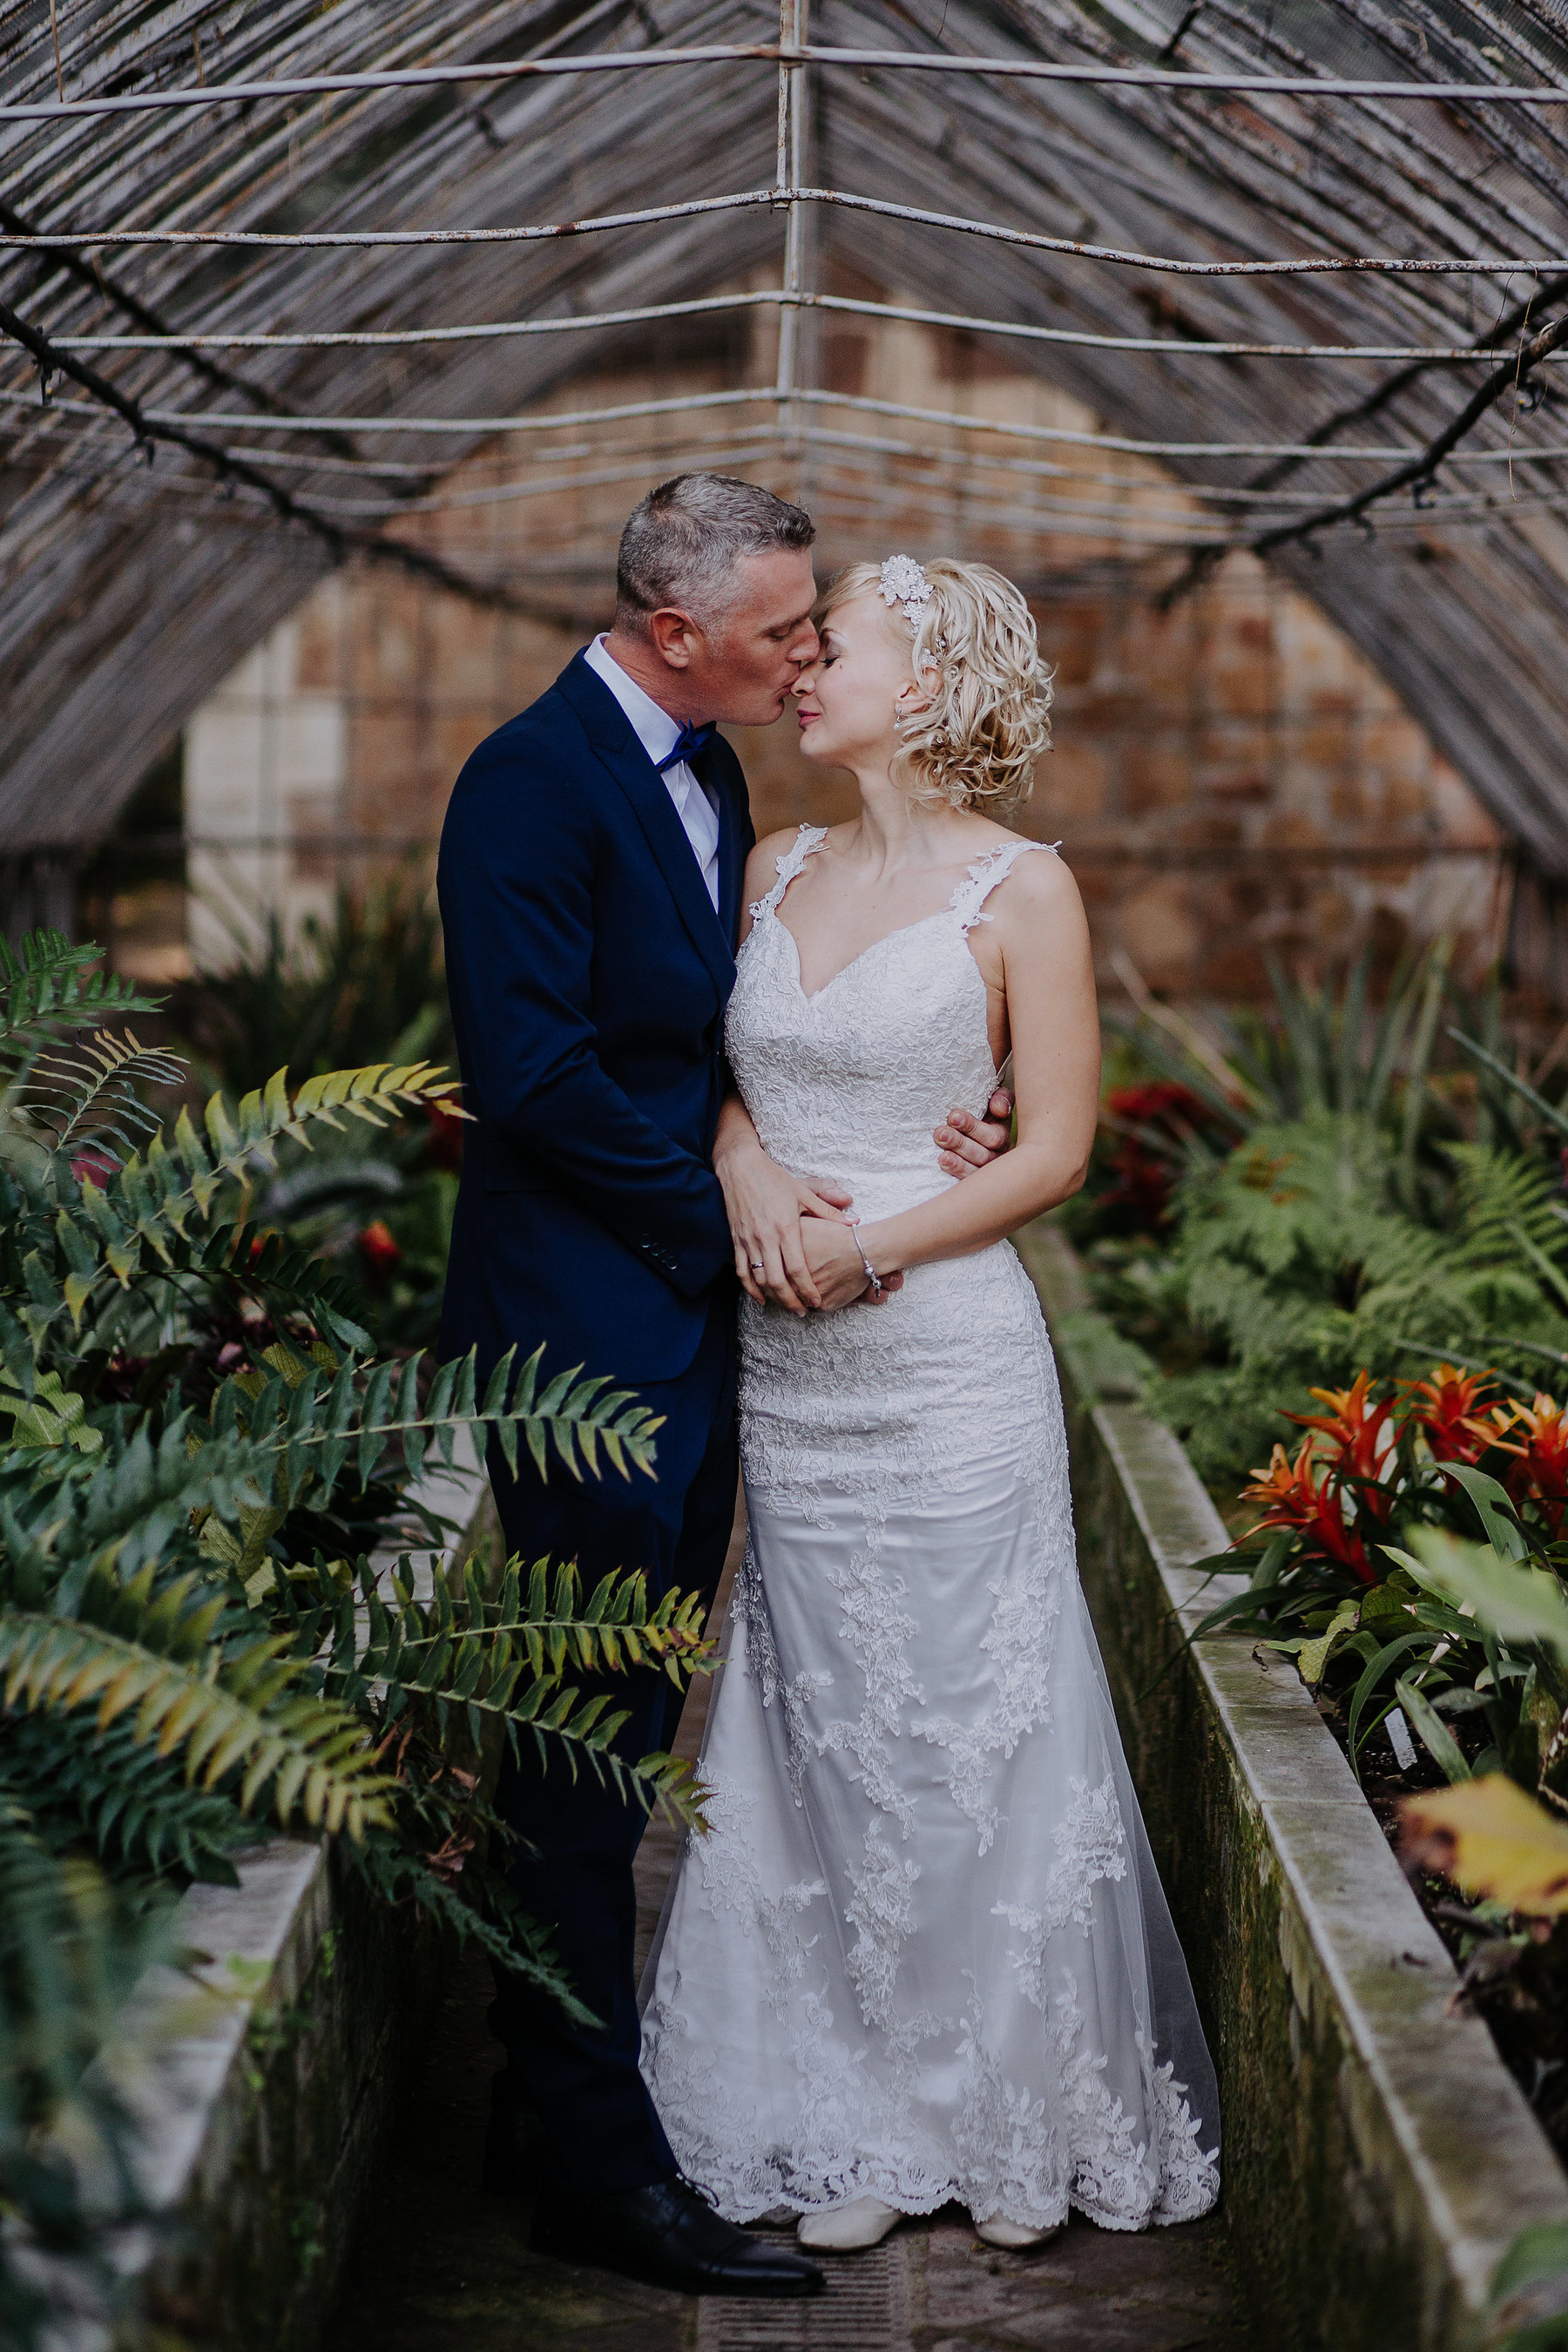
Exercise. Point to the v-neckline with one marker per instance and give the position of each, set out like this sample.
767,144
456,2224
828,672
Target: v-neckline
811,996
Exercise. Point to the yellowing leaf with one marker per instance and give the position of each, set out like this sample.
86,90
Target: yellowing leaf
1313,1656
1491,1839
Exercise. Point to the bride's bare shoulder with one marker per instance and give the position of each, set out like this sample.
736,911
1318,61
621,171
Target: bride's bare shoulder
1038,899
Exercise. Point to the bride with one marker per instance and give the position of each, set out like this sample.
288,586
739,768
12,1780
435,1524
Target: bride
921,1953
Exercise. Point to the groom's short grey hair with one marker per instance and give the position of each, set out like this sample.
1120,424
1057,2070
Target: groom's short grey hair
681,544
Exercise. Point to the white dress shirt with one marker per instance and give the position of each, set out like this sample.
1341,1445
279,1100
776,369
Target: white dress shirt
656,731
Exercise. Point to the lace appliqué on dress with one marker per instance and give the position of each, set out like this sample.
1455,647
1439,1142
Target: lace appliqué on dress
870,1982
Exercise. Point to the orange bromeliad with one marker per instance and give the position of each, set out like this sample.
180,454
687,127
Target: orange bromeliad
1293,1499
1540,1473
1446,1409
1358,1431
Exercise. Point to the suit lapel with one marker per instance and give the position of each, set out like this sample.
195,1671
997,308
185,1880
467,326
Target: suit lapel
615,741
718,768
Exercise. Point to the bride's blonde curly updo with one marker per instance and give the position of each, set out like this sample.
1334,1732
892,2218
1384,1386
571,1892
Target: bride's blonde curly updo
974,650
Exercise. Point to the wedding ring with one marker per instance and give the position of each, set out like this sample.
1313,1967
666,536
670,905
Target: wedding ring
757,1265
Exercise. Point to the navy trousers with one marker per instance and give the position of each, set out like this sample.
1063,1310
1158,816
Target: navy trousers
573,1866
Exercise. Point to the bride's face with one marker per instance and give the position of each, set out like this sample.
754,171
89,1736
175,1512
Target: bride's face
848,696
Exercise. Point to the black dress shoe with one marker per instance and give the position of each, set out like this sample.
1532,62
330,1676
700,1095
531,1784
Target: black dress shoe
669,2236
514,2143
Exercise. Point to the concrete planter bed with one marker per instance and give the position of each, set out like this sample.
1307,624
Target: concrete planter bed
257,2131
1379,2156
258,2118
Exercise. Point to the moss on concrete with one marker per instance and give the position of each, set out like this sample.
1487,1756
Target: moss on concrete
260,2243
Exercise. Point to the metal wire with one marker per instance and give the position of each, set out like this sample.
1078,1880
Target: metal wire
770,199
1067,436
780,298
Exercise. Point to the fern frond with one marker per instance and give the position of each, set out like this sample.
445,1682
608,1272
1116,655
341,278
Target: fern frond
135,1805
48,985
147,1205
310,1420
506,1657
603,1631
70,1951
310,1754
88,1095
496,1923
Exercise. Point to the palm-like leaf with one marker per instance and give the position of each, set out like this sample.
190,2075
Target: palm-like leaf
48,987
312,1755
89,1094
185,1647
506,1656
140,1210
135,1806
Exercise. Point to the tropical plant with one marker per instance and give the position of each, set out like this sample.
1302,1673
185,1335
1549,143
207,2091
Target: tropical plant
1338,1200
200,1453
361,985
1341,1568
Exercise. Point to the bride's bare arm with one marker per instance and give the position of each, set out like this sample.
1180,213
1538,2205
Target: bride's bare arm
1037,950
764,1201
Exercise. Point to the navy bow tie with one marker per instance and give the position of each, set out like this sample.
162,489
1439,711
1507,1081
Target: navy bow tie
687,745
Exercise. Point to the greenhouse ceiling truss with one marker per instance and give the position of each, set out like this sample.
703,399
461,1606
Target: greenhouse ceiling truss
1330,305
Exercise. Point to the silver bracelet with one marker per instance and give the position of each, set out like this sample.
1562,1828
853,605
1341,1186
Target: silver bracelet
872,1276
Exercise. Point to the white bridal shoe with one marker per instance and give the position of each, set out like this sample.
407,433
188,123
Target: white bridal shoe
864,2221
1011,2235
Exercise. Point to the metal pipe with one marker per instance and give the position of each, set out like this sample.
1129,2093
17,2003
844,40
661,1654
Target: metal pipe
1045,69
786,298
742,199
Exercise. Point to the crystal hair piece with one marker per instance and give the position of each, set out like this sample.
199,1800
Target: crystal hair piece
904,583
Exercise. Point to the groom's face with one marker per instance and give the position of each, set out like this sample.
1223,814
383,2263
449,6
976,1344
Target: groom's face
741,669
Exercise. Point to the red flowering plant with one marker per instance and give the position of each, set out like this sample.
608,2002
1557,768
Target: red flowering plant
1148,1129
1334,1582
1446,1409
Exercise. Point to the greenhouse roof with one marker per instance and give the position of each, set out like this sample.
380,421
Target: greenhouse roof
222,219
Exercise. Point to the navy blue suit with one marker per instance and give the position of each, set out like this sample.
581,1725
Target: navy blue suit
588,974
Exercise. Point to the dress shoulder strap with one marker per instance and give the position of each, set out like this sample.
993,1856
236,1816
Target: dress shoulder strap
968,900
788,864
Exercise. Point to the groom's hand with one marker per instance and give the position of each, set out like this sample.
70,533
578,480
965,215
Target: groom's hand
966,1143
767,1208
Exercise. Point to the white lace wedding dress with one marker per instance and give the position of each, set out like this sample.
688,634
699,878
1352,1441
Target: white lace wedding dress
923,1953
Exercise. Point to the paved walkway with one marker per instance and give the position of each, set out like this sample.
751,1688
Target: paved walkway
439,2267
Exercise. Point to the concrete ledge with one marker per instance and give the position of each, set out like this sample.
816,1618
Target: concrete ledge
1378,2156
260,2094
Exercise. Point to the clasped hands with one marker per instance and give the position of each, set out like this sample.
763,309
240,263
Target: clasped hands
795,1242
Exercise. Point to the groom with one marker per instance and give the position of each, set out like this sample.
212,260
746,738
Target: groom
590,885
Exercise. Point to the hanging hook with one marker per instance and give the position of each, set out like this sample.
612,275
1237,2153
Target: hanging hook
45,379
1423,492
1531,395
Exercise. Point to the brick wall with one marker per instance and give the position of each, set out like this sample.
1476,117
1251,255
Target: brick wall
1229,777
